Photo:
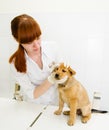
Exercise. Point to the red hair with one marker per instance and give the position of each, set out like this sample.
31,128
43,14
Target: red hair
25,30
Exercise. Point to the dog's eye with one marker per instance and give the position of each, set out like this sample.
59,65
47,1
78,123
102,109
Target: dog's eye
63,71
56,69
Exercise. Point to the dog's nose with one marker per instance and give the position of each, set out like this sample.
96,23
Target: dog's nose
56,75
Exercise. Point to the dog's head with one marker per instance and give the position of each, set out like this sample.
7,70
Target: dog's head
61,73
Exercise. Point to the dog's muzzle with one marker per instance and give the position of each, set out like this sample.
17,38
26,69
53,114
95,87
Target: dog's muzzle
56,76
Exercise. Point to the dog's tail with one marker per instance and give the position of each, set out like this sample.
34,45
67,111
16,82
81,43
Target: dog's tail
99,111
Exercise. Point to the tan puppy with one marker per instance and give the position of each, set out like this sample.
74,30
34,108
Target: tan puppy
72,93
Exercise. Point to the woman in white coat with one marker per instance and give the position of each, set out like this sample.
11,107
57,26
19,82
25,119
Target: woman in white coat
31,62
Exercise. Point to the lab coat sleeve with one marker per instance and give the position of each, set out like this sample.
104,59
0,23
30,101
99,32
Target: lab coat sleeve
23,80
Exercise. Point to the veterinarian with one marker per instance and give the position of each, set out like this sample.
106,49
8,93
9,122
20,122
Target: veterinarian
30,64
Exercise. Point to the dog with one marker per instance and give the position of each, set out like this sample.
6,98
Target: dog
71,92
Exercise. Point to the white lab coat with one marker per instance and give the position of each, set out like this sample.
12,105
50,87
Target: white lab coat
35,76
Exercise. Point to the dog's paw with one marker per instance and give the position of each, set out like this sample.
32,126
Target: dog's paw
70,122
85,118
57,112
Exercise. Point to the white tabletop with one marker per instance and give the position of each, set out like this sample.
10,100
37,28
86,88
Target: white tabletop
17,115
59,122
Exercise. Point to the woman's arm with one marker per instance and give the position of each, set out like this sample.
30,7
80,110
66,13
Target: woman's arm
41,89
32,91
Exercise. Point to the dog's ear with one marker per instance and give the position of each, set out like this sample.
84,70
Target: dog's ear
62,64
72,72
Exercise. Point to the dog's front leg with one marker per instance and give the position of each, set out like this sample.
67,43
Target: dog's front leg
61,105
73,108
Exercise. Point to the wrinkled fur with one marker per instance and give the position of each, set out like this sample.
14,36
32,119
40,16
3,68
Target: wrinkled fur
72,93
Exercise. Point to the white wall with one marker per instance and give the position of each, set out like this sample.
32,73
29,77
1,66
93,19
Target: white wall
81,32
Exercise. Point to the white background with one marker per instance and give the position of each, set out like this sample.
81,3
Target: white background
81,31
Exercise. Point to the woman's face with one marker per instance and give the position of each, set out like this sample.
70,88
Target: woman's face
33,46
